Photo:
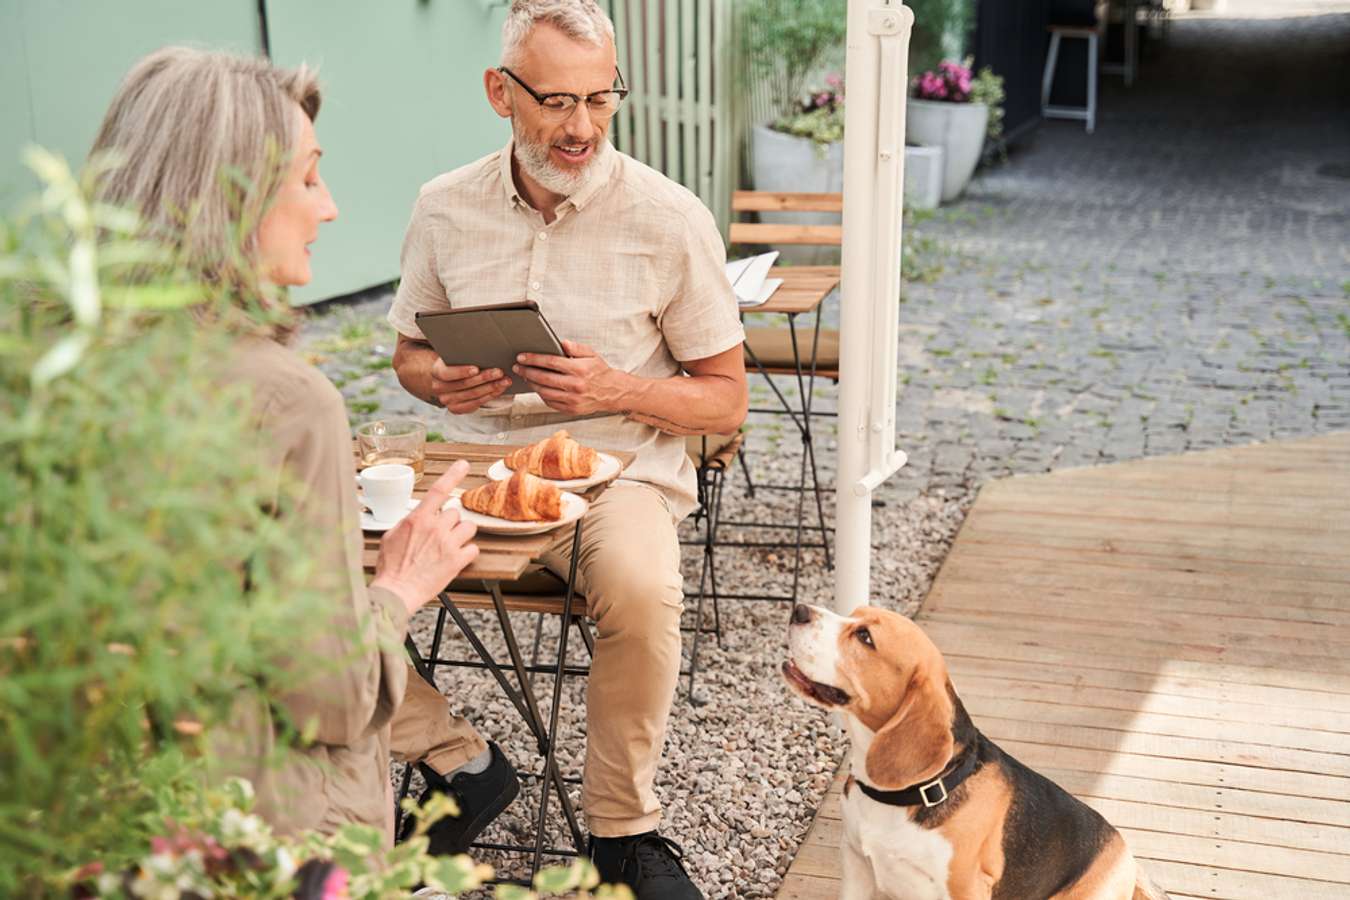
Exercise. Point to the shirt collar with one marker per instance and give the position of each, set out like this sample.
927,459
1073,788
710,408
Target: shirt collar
596,179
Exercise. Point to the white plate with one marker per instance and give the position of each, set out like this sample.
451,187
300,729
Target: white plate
370,523
606,468
573,508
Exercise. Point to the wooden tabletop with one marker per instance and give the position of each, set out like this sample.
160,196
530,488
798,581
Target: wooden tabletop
500,557
803,289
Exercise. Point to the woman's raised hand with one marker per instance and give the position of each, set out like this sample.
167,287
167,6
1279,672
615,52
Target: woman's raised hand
426,550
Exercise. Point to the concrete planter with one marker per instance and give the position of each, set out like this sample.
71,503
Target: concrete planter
923,177
785,162
958,128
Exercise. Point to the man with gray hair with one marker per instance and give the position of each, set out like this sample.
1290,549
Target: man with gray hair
628,267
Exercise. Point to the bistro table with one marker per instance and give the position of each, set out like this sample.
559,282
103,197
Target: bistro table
502,559
803,290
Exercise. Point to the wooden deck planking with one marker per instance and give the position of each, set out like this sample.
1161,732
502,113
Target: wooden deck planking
1165,639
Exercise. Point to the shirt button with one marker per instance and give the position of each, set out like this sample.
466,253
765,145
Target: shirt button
534,285
543,235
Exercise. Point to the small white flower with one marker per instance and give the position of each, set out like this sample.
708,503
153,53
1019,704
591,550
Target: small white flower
285,865
242,828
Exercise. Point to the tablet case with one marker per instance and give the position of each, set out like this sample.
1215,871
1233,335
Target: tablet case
490,337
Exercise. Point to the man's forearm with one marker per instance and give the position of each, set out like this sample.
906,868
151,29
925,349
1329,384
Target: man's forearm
697,404
412,364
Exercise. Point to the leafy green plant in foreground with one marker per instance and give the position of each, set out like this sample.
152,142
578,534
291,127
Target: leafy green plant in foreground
145,589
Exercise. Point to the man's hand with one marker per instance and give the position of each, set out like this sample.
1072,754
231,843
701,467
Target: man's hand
580,384
427,549
463,389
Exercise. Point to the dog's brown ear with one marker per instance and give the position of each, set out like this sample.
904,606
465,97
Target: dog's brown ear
916,744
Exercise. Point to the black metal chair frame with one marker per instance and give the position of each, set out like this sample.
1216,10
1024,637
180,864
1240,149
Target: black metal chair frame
711,477
523,699
801,419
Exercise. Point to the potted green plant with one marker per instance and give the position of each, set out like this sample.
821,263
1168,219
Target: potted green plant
955,109
785,44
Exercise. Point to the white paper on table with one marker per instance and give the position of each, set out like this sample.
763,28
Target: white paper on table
765,292
747,277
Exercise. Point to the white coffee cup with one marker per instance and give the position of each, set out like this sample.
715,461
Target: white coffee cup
386,490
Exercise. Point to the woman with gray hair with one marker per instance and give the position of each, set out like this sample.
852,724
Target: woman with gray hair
219,157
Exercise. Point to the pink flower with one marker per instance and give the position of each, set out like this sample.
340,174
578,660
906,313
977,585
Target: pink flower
335,885
834,80
932,86
89,870
953,69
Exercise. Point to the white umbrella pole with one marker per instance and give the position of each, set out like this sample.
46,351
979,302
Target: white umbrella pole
875,80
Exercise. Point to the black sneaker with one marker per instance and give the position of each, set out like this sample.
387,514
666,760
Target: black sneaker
649,864
481,798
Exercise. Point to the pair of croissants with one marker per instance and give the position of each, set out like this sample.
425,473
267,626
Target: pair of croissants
526,496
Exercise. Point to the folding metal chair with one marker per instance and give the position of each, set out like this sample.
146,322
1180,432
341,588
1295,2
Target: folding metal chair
794,352
712,455
543,594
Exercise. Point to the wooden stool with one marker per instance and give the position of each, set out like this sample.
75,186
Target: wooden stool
1092,34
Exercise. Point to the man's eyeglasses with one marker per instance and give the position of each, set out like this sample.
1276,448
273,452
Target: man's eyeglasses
558,107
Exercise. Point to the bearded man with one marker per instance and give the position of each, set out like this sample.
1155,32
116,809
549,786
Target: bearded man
629,269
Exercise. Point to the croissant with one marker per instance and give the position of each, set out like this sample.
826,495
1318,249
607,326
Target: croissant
520,498
555,457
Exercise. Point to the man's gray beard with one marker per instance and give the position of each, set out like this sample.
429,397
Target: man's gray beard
534,160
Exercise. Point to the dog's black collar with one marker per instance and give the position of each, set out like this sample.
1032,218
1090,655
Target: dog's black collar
931,793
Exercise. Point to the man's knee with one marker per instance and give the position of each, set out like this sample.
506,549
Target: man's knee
635,596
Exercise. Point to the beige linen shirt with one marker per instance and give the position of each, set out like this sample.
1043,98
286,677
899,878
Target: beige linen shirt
633,266
353,656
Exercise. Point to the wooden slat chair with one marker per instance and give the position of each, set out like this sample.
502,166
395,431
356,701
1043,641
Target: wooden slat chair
773,346
712,456
778,351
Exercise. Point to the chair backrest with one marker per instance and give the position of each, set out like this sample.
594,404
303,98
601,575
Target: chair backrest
766,233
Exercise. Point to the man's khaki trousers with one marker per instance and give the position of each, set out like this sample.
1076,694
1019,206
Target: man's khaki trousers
629,570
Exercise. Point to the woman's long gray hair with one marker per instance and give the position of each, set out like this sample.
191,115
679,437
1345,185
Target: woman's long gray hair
200,141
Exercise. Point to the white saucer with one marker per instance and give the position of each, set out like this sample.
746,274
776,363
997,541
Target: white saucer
370,523
573,508
606,468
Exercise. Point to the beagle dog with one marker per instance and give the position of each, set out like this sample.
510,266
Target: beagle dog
933,809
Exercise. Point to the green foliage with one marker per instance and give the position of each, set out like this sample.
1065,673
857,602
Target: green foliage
987,88
211,845
132,523
784,41
938,24
824,126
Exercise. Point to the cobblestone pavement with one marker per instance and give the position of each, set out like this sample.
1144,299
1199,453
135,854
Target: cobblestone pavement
1178,280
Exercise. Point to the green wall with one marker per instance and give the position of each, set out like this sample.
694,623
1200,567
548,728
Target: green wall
403,96
61,62
403,102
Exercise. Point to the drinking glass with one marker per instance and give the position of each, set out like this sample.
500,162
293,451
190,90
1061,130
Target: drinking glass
400,442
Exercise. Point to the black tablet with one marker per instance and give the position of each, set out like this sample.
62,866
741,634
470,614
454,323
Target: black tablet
490,337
